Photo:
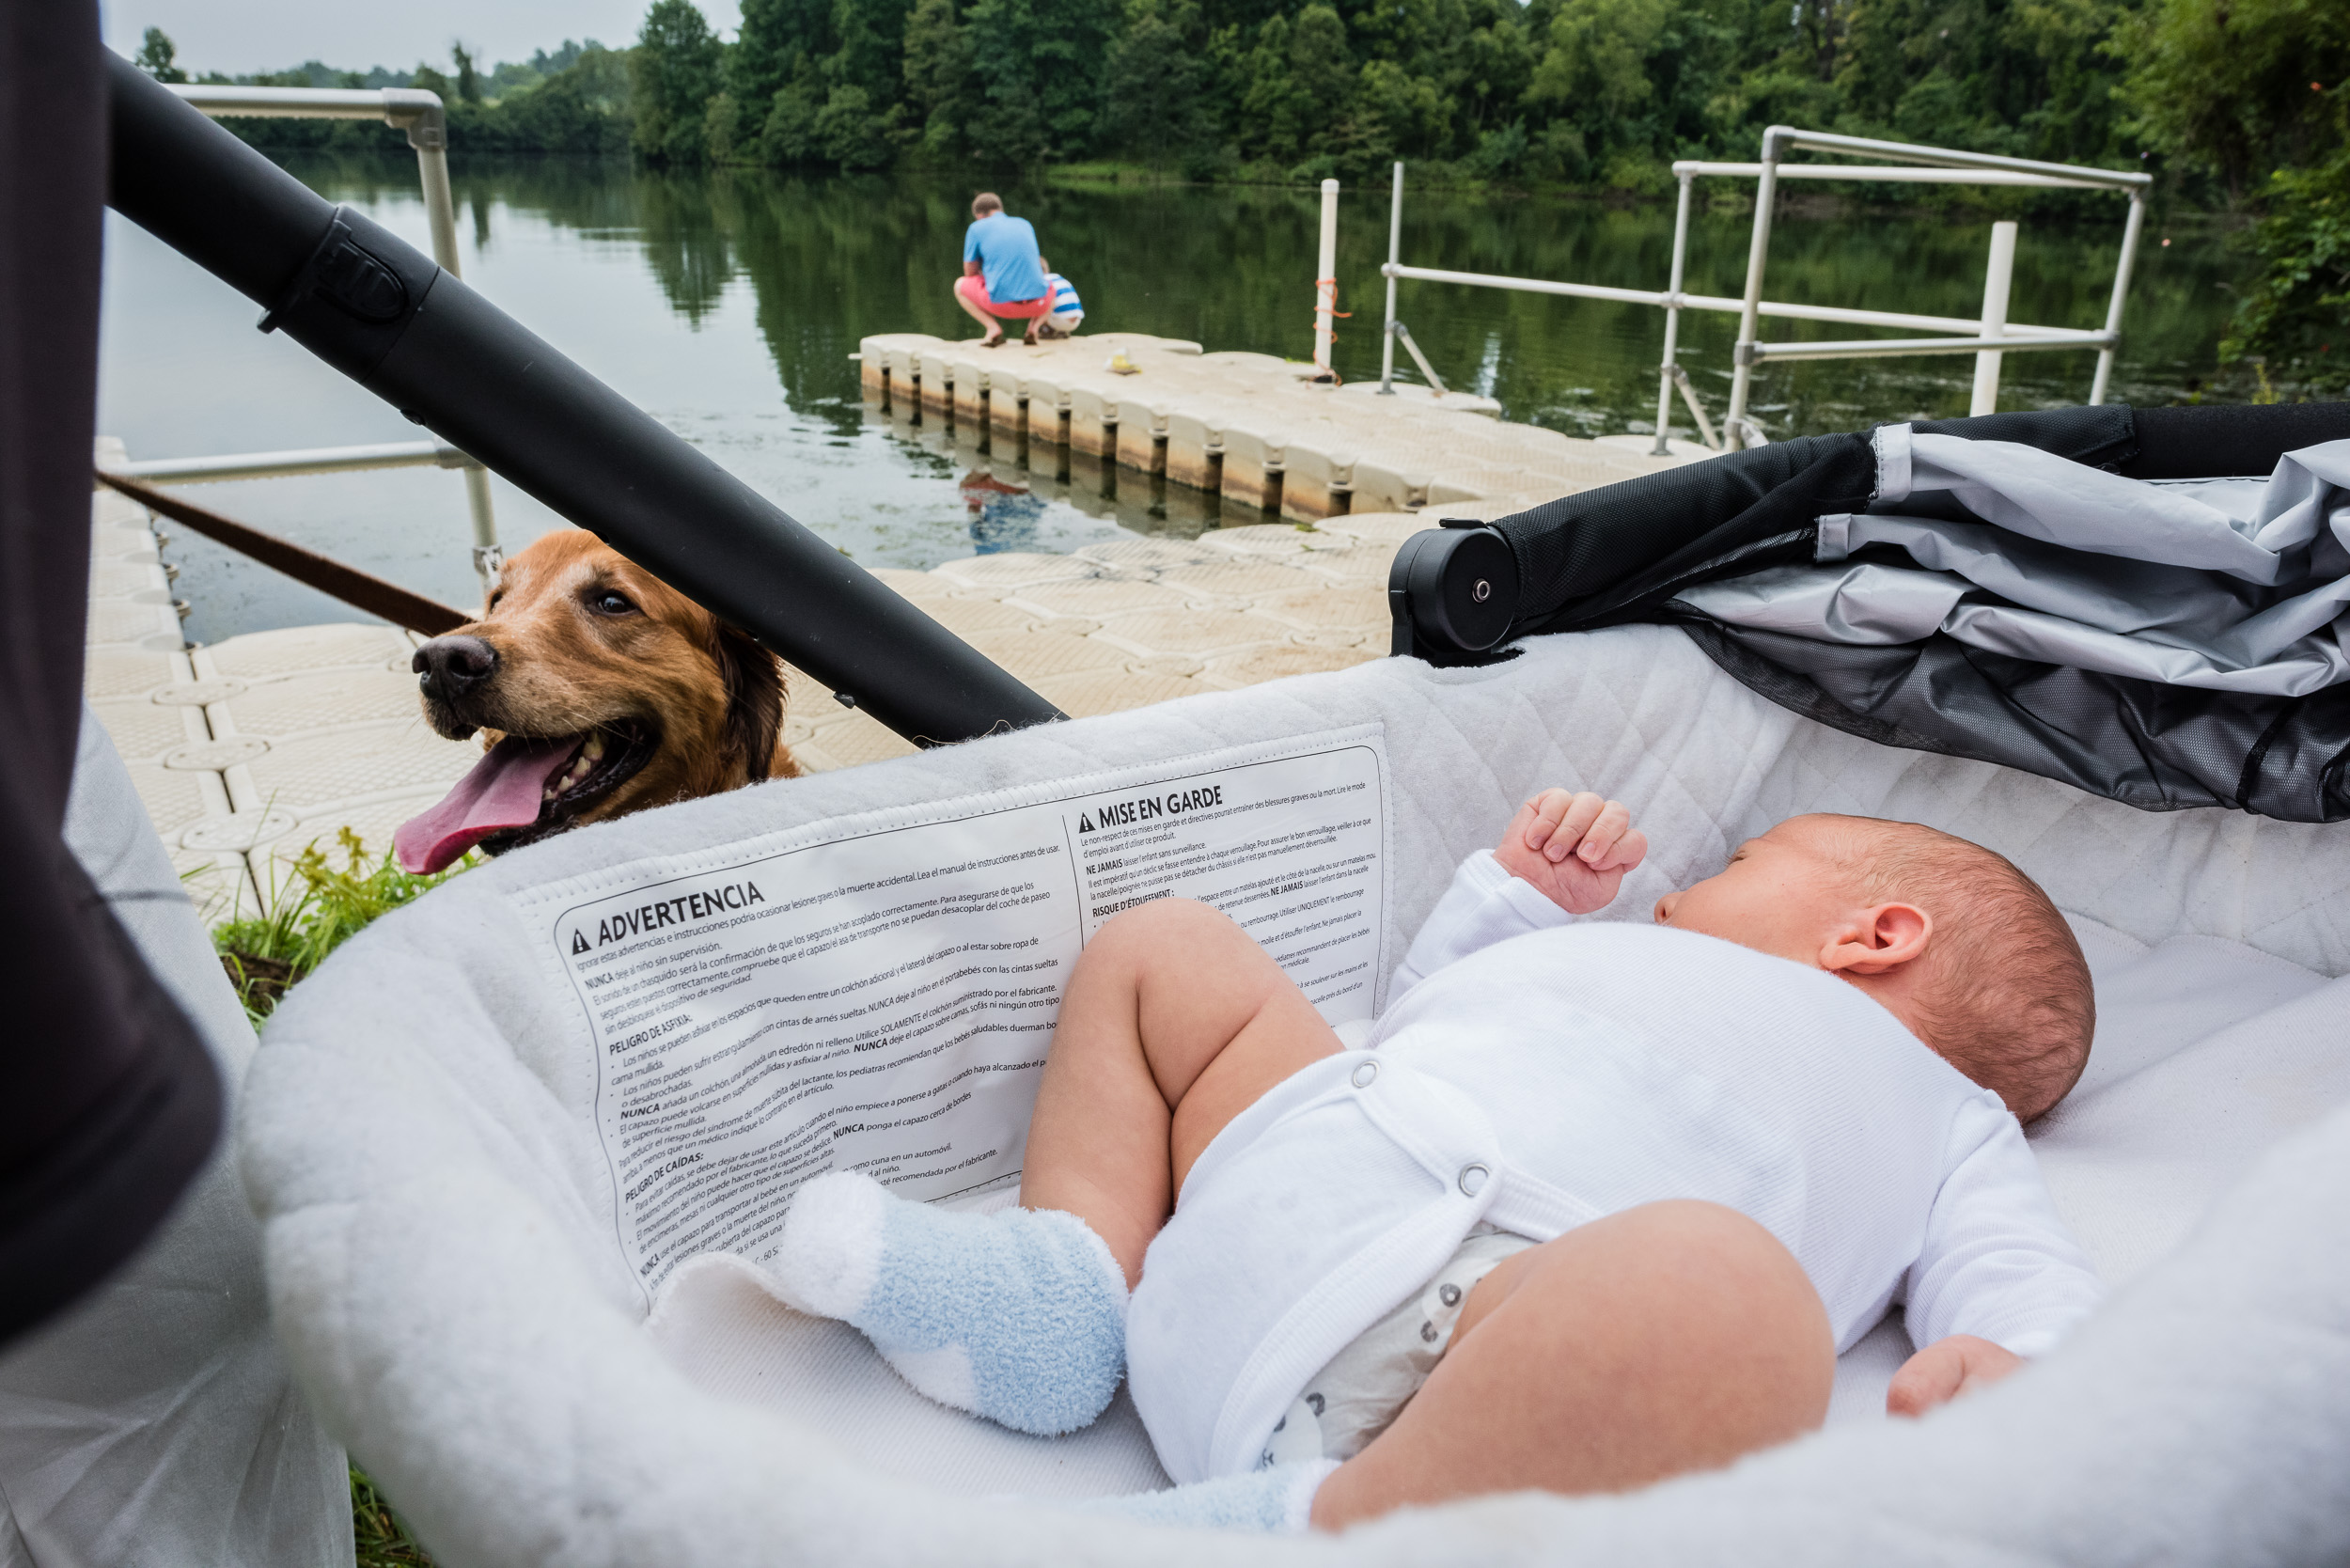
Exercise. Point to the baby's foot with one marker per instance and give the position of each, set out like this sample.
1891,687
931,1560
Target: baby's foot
1019,1316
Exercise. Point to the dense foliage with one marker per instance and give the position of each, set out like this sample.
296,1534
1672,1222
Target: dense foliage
2294,318
1599,94
1591,93
2234,104
574,100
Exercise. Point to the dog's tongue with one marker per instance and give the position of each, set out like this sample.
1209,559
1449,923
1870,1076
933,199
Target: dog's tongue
501,791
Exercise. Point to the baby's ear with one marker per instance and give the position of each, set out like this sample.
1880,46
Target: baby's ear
1878,940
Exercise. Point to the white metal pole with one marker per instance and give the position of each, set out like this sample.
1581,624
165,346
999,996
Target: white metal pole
1326,279
316,460
1758,251
1395,259
489,557
440,207
1672,325
1997,278
2130,229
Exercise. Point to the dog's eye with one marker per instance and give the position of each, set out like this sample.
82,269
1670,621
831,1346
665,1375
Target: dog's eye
606,602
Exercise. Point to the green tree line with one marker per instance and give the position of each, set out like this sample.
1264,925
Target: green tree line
574,100
2235,106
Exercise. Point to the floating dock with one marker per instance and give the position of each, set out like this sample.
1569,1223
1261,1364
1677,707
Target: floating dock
247,751
1251,428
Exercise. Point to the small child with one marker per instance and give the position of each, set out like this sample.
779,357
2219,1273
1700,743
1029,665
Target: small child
1068,312
1600,1203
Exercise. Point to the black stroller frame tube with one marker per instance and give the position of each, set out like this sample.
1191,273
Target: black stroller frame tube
385,315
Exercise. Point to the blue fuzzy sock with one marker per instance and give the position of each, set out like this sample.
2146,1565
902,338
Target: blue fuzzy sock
1019,1316
1276,1500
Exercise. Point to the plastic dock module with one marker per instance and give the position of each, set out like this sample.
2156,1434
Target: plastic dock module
1249,427
249,751
138,681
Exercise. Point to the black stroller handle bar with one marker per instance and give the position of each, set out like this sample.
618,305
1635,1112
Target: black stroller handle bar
382,313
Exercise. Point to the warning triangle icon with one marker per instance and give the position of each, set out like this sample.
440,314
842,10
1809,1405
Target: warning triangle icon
1084,822
579,943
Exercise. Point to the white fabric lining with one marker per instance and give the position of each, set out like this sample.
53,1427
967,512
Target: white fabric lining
413,1139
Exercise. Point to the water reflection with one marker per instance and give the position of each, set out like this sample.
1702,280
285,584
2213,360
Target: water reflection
833,260
1012,489
728,305
1003,516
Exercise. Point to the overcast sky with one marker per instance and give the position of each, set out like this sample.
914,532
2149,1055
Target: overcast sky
239,36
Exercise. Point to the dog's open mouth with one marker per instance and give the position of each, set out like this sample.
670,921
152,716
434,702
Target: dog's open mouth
524,788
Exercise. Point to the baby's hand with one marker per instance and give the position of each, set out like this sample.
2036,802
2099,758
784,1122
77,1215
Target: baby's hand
1575,847
1945,1370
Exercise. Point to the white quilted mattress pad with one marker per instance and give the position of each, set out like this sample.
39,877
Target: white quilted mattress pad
420,1137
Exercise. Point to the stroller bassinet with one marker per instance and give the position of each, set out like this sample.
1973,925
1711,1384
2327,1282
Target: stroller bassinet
482,1266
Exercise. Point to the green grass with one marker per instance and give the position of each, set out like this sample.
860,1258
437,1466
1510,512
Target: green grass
382,1541
313,909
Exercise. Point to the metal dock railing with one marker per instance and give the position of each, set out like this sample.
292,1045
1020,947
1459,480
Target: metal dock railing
420,114
1988,337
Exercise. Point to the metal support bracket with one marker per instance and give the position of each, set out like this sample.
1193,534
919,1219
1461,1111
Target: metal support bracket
1405,334
1696,409
423,118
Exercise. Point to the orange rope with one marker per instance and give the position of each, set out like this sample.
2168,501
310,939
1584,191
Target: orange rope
1330,306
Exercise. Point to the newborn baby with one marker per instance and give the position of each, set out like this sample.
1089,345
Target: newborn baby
1599,1203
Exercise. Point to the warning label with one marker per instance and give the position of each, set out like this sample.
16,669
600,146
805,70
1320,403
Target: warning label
882,1001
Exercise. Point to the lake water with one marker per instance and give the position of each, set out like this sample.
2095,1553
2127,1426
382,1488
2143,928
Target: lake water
727,306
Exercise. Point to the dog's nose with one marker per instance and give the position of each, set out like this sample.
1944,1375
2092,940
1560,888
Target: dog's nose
450,668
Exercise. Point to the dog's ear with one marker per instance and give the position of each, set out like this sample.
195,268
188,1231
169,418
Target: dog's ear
753,683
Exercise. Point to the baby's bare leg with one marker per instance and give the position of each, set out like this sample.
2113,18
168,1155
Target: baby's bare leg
1668,1337
1174,1022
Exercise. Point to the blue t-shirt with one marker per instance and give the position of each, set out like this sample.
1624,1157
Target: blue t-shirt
1005,248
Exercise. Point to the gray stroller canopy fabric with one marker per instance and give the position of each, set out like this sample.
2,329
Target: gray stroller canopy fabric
2143,603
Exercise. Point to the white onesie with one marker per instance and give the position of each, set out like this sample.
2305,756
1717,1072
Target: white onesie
1534,1072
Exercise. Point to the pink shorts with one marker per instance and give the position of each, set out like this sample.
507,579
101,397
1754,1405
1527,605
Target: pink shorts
973,286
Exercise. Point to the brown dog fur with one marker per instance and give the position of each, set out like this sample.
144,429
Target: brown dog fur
570,658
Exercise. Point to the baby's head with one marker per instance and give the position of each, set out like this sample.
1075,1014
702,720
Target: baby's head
1964,948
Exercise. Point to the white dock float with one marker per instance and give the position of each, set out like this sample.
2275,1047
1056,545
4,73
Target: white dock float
250,749
1251,427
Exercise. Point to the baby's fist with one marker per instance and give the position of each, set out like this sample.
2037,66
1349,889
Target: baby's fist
1575,847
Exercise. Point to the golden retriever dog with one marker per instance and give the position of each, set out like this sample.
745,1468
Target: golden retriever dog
597,690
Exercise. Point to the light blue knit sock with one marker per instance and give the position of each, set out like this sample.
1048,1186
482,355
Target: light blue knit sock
1019,1316
1276,1500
